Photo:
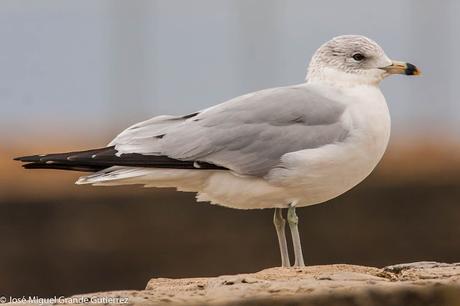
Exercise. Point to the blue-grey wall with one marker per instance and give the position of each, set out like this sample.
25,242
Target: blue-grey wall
91,67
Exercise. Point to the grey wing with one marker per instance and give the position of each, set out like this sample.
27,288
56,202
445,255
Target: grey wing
247,135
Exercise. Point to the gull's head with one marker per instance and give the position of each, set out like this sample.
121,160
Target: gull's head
351,60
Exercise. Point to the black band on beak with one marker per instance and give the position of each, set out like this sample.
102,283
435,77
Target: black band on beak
411,70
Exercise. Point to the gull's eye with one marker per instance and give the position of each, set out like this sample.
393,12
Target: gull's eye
358,57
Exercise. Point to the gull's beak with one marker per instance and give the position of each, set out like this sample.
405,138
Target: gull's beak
401,68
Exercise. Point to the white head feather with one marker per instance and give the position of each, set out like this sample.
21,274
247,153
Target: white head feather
348,60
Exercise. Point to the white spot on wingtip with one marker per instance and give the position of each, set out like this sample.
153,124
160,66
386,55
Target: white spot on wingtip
196,165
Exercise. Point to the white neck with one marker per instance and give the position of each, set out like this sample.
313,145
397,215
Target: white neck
341,79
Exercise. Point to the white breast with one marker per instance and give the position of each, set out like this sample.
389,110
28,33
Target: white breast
326,172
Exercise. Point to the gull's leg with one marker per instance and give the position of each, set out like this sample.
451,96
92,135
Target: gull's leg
280,224
293,221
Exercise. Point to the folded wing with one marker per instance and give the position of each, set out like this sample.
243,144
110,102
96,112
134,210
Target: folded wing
247,135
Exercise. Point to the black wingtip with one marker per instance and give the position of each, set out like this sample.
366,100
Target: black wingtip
57,166
28,159
30,165
98,159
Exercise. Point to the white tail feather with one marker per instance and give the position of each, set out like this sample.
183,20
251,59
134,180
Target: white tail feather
182,179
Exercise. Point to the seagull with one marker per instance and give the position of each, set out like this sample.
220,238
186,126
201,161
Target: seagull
280,148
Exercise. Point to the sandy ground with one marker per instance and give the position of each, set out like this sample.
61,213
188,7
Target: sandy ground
421,283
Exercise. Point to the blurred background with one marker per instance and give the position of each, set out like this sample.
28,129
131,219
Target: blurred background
74,73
